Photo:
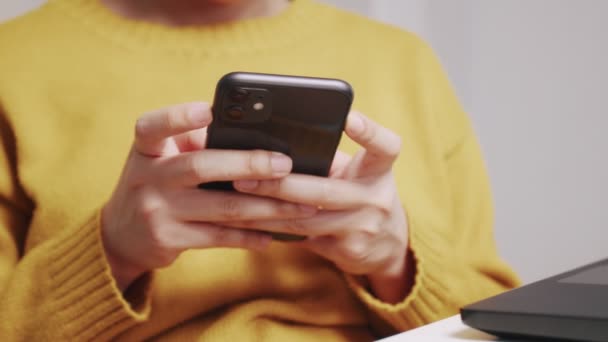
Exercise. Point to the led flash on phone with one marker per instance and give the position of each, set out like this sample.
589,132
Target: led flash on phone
258,106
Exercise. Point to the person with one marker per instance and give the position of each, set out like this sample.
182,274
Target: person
105,236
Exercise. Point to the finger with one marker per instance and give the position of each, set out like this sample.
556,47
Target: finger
333,223
212,165
190,141
339,163
352,255
328,193
217,206
380,143
153,129
191,235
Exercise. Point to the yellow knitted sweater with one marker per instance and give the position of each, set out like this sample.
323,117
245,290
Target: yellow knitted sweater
73,79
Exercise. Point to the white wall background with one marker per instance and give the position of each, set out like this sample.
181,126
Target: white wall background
10,8
533,76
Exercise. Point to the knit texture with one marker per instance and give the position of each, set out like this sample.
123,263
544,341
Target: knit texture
74,79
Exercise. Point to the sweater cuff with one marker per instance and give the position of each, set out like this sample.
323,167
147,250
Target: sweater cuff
90,304
428,299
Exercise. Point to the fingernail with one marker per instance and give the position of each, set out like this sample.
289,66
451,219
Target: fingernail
246,184
280,163
355,123
197,113
307,209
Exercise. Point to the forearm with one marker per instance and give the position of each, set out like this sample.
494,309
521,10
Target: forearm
443,280
62,290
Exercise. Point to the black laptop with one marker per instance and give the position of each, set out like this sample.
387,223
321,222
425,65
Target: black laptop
572,306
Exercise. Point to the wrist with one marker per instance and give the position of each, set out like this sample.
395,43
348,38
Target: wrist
393,284
123,272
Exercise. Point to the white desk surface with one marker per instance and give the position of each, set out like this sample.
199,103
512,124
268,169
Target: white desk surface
448,330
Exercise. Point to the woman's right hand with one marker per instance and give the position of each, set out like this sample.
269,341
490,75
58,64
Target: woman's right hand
156,211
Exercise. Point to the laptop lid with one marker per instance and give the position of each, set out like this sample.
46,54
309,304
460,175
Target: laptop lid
571,306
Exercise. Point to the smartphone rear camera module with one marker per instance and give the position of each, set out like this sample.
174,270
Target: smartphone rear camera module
235,113
239,95
246,105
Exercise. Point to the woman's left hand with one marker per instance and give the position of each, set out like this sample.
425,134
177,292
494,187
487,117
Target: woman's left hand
361,225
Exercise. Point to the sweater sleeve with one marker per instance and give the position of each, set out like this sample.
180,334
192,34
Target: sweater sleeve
62,289
456,261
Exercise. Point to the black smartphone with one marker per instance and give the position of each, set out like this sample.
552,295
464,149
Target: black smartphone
302,117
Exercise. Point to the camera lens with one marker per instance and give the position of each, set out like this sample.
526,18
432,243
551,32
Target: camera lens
238,95
235,112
